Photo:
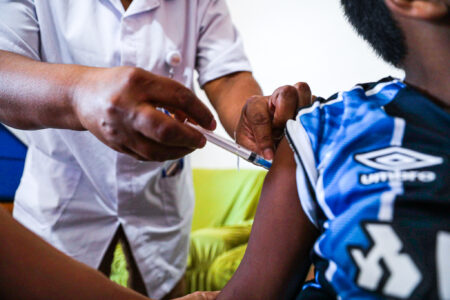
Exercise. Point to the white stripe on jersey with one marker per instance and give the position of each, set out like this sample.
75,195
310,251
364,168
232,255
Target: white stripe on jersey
376,89
387,199
305,158
320,192
320,105
329,273
299,137
399,131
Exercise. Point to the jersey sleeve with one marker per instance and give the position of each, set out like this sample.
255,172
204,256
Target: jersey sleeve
220,49
19,28
311,136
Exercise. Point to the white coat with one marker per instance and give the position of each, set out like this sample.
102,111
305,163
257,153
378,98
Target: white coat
76,191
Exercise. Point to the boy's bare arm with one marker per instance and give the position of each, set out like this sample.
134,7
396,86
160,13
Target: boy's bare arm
32,269
276,260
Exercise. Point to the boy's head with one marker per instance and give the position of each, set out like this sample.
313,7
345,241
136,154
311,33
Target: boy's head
377,22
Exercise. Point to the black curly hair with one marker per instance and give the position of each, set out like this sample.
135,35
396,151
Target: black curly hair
374,22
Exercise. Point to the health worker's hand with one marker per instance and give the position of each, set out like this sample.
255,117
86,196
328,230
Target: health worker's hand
119,106
200,296
264,118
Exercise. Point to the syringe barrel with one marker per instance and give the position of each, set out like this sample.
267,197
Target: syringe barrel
232,147
222,142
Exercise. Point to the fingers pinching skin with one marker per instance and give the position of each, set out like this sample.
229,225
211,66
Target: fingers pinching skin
284,101
260,122
263,119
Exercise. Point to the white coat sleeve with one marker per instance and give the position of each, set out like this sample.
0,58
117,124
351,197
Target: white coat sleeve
220,49
19,28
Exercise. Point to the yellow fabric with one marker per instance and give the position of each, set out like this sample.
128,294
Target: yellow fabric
225,197
224,266
119,273
206,245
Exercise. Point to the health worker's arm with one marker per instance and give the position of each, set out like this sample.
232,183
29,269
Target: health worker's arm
118,105
276,260
228,95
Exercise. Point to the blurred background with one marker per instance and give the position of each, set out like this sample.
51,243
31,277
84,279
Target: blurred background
297,40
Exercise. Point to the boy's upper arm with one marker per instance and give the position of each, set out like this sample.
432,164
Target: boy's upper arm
276,259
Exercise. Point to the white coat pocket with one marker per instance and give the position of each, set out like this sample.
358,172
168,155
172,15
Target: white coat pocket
177,195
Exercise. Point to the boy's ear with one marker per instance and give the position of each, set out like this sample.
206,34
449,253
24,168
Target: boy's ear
419,9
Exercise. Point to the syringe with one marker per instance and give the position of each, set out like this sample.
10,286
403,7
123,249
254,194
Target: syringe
232,147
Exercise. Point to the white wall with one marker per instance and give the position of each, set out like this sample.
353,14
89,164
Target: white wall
298,40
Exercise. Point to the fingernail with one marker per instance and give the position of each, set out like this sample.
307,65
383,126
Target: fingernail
213,124
268,154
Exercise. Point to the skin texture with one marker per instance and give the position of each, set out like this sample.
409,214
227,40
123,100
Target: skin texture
275,261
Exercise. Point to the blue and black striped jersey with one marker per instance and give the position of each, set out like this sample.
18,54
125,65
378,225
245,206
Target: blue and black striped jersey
373,176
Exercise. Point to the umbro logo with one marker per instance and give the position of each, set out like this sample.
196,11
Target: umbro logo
398,164
397,158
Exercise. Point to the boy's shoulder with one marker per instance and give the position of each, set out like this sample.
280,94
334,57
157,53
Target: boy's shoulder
344,116
349,104
367,108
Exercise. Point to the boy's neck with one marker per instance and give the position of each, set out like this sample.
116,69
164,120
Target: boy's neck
427,64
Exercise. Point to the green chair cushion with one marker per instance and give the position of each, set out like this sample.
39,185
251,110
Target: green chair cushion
224,266
206,246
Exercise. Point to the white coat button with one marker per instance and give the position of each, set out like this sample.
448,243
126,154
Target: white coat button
173,58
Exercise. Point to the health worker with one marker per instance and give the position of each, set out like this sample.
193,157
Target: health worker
92,82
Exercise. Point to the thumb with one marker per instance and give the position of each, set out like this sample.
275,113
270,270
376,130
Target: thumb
304,94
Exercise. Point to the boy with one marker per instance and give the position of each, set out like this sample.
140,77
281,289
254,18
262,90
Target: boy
365,184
